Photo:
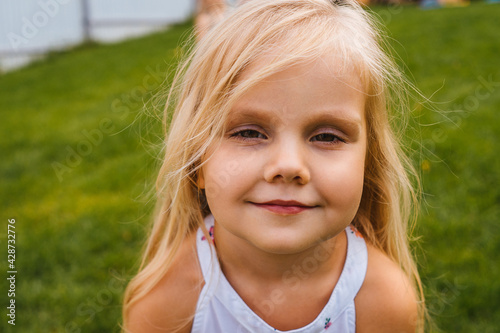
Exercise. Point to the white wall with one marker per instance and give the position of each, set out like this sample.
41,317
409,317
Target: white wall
145,10
113,20
33,27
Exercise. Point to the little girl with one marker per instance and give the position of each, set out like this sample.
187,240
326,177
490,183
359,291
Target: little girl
283,198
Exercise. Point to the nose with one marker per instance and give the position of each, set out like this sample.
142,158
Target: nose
287,163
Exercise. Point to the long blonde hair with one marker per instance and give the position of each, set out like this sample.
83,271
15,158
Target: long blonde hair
206,86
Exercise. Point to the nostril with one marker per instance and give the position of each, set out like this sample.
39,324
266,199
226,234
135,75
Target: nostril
299,176
287,163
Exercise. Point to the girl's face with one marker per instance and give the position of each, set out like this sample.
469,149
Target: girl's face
289,171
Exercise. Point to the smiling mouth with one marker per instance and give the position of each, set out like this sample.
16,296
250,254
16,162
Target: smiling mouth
284,207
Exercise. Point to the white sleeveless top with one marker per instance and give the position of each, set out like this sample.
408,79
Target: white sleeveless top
221,310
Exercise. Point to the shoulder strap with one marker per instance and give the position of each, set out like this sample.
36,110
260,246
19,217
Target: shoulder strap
353,273
207,258
359,254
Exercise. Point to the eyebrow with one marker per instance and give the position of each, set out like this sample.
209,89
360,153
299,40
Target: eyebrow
246,113
348,123
334,118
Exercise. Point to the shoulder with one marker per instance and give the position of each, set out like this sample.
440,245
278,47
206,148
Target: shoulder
171,304
386,302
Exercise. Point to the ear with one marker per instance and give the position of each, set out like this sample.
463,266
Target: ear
200,180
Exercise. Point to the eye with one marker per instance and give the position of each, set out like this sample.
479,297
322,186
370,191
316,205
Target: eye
248,134
327,138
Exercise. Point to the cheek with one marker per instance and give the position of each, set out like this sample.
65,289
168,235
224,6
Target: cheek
216,182
225,174
344,185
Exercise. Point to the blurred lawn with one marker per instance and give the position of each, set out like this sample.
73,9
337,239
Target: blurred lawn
78,165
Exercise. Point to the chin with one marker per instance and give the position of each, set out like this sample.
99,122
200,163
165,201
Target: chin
286,244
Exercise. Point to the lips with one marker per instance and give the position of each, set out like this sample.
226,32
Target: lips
284,207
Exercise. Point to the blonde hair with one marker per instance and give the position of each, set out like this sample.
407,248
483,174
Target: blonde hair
206,86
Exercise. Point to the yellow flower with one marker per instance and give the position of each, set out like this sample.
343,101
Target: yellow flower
426,165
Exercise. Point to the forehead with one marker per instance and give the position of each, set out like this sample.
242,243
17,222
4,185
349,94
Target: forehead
315,89
323,76
329,66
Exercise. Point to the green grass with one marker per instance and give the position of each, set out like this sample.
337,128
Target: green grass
451,54
79,231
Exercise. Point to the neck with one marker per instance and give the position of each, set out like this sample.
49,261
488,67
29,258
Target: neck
244,264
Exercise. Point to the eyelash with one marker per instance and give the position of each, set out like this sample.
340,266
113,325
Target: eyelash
239,134
335,139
